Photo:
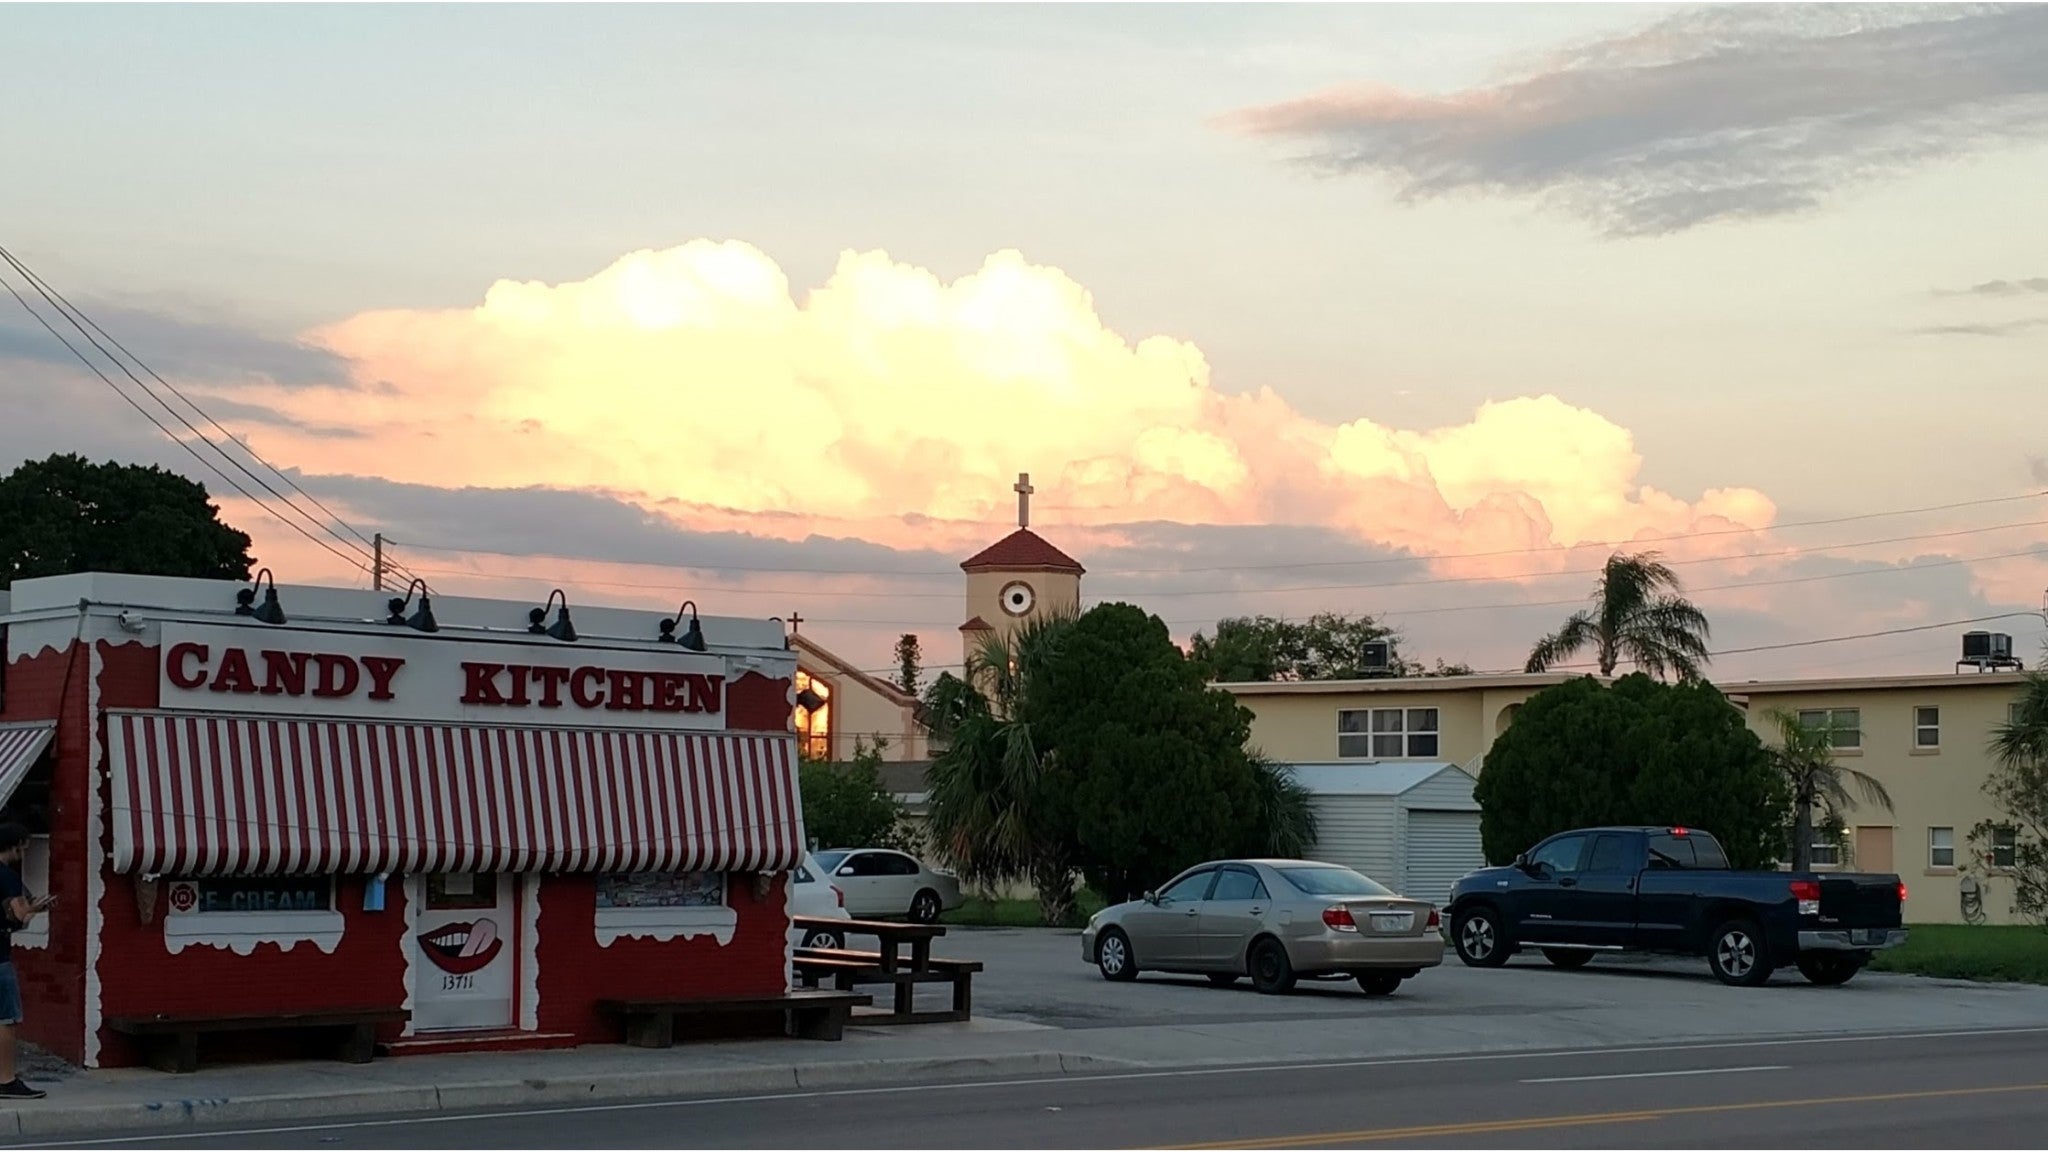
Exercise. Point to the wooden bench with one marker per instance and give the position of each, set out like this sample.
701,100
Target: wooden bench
847,967
170,1043
807,1013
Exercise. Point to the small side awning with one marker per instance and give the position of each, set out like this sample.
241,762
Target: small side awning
20,746
201,795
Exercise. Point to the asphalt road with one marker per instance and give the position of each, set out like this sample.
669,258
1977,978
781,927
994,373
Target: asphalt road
1983,1090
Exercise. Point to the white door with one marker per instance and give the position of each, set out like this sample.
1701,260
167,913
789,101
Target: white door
1441,847
463,953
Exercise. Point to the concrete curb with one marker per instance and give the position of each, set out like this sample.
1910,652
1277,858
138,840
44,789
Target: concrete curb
36,1120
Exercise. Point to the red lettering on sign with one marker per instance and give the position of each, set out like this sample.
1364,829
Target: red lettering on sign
284,673
668,692
382,669
519,672
234,675
480,683
338,676
626,691
551,681
174,665
583,696
705,693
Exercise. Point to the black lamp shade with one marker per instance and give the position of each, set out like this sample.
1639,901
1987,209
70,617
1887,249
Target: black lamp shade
809,701
561,629
423,619
693,636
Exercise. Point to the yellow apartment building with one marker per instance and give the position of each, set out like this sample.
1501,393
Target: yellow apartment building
1925,738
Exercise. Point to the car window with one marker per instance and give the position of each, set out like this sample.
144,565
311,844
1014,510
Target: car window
863,864
1333,881
1189,887
1610,854
1560,855
829,861
1238,884
803,874
894,864
1708,851
1668,851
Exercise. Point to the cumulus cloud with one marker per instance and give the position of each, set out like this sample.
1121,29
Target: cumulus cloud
893,406
1711,114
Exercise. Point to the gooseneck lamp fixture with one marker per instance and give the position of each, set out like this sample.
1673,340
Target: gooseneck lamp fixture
561,629
270,611
693,636
422,619
809,701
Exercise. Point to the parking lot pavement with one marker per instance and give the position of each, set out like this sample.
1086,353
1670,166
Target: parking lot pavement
1037,977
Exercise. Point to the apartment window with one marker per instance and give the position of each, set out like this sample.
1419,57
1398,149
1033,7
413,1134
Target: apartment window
1926,727
2005,848
1844,726
1387,733
1941,847
2013,711
1826,855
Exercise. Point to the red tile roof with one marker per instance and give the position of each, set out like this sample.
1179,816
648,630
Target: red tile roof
1022,551
977,625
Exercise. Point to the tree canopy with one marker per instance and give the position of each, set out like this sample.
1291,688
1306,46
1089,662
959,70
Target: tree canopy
2016,842
846,805
1638,751
1326,646
1638,615
1091,743
67,514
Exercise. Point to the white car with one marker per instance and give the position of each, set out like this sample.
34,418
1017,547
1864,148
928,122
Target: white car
885,882
810,894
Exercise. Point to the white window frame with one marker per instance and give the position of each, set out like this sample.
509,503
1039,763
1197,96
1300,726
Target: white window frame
241,932
1829,849
1932,847
666,922
1921,726
1390,733
1830,721
2011,847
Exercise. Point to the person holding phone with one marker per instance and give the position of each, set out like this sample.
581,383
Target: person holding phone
17,908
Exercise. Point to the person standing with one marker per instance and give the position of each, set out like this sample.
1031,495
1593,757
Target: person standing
17,908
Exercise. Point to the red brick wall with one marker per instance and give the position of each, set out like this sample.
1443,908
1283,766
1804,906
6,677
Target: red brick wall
575,972
53,978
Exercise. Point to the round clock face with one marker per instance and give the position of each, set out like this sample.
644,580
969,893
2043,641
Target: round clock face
1017,598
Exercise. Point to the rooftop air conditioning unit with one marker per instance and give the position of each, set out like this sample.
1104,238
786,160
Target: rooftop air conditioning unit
1377,656
1987,646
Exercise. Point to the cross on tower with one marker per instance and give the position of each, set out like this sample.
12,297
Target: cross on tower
1024,490
796,623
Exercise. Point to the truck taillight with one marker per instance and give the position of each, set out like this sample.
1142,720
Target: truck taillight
1339,918
1435,921
1902,891
1807,892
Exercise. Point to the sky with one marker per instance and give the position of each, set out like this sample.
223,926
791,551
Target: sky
1418,311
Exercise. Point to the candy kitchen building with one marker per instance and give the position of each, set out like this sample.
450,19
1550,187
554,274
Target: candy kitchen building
488,814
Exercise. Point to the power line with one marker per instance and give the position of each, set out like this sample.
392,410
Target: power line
74,316
1423,582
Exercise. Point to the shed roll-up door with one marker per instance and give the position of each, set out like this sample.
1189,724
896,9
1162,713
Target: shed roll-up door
1441,848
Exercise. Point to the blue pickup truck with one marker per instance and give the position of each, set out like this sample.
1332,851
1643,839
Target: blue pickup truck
1593,890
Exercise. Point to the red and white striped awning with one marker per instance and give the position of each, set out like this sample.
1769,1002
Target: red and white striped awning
20,745
197,795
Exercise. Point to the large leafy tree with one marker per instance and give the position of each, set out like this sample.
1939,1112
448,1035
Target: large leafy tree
67,514
848,805
1805,757
2018,787
1638,615
1638,751
1326,646
909,662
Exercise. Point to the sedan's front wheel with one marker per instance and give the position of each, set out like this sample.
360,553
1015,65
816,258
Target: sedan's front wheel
1113,956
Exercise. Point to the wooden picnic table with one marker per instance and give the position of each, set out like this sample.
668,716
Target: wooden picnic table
893,935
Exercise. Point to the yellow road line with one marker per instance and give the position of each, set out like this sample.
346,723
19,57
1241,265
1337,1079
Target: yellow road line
1591,1118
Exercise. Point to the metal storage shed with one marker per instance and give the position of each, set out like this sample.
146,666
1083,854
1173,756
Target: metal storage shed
1411,825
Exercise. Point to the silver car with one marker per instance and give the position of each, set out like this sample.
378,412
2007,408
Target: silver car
1276,920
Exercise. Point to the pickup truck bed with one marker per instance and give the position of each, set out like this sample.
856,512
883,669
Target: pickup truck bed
1581,893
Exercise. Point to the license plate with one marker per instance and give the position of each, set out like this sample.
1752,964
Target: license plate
1392,921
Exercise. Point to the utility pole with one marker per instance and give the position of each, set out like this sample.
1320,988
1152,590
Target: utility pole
377,563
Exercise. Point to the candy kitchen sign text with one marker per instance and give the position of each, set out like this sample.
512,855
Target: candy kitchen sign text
310,673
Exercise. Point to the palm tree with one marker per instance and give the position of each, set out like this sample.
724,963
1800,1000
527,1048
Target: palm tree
1286,820
1805,756
984,786
1638,616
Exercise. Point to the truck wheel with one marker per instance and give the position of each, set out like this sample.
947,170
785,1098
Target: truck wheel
1736,954
1828,971
1568,957
1478,938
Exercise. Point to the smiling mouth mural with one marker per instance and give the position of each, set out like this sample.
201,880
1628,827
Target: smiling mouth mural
462,948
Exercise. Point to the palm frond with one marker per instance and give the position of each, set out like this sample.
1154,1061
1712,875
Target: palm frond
1560,646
